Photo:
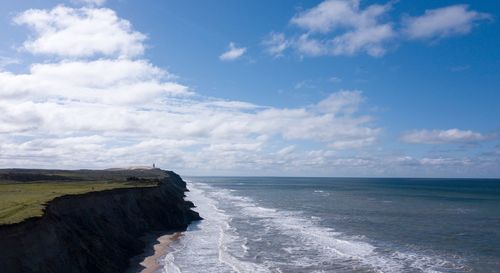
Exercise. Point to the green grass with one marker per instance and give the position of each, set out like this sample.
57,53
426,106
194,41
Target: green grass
19,201
25,192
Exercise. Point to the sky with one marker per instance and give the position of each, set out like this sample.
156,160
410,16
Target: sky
229,87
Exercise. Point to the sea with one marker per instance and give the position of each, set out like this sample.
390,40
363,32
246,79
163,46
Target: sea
285,224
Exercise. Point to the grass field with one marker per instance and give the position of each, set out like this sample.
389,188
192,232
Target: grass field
22,200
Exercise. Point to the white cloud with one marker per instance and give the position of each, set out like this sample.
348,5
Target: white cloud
5,61
342,102
368,39
331,15
91,2
211,140
310,46
346,28
287,150
276,43
114,110
352,144
303,84
341,27
443,136
205,127
83,32
335,79
233,52
443,22
444,161
117,81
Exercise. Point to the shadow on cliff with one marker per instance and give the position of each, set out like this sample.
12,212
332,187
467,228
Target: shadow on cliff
95,232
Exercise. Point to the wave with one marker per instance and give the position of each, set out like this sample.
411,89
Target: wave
238,235
169,265
204,248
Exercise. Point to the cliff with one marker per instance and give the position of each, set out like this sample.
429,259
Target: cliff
94,232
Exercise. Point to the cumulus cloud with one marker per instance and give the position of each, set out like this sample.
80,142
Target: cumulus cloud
338,14
110,107
337,27
443,136
214,133
83,32
443,22
233,52
97,106
117,81
344,27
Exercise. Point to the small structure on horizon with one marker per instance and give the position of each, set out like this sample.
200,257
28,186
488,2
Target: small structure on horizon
154,167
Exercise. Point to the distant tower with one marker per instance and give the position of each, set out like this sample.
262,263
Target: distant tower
154,166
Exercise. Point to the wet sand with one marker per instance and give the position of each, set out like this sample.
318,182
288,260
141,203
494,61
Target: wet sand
150,263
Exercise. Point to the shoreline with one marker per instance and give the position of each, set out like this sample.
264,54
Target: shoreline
98,232
148,261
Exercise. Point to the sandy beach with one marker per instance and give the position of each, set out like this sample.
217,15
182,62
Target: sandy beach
160,249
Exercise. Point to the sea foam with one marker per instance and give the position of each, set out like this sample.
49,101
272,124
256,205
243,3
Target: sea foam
239,235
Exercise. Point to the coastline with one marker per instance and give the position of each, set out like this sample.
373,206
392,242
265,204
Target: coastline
148,262
96,232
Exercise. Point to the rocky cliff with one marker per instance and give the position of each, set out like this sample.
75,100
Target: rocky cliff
94,232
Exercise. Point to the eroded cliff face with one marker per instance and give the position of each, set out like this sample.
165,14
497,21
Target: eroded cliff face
94,232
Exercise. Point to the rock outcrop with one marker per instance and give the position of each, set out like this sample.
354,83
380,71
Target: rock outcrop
94,232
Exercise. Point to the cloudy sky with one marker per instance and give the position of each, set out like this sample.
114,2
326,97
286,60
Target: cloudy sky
229,87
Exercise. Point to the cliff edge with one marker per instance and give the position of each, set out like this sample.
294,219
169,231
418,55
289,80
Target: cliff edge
94,232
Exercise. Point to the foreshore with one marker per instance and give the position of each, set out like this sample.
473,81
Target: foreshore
151,264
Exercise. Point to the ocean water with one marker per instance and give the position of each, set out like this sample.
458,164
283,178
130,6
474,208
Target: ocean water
265,224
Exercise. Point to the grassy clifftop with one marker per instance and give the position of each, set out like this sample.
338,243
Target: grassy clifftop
96,232
25,192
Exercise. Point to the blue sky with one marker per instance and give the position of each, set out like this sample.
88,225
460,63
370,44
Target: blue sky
315,88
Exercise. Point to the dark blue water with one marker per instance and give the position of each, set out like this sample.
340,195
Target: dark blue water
265,224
